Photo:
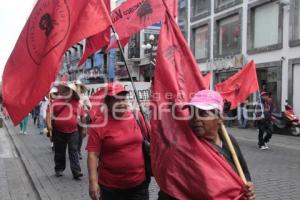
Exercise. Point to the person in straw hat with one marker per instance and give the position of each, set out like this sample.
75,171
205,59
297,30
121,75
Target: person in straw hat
65,118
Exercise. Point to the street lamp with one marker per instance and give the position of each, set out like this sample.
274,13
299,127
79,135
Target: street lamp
150,46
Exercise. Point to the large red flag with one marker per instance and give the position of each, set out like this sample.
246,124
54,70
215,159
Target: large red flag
129,15
51,29
238,87
146,14
207,79
184,166
142,14
98,41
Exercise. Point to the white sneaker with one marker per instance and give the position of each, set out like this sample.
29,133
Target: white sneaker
266,146
25,133
263,147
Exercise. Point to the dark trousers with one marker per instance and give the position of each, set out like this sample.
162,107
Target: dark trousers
61,141
264,126
79,143
164,196
140,192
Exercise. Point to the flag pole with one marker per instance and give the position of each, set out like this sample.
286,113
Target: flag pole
233,153
130,77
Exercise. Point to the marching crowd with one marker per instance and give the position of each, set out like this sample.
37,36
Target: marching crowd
116,157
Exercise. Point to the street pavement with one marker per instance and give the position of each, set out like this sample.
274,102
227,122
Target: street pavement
14,182
275,172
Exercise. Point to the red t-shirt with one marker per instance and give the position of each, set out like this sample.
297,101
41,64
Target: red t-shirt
65,115
119,143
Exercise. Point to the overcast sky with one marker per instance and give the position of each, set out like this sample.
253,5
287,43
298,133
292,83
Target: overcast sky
13,16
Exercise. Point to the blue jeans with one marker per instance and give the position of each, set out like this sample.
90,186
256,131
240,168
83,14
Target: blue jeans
41,123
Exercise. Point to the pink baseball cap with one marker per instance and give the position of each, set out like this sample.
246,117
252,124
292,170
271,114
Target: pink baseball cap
207,100
115,88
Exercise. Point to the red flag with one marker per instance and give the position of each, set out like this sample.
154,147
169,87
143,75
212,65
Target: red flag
98,41
184,166
51,29
207,79
238,87
144,13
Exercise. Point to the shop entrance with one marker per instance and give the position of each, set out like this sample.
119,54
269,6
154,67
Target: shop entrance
269,79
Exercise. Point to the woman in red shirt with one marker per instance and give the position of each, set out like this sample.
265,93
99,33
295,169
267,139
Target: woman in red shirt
115,156
65,115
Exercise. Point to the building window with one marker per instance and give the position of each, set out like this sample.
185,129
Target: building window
266,23
201,42
297,20
200,8
225,4
265,27
269,78
229,35
182,17
295,23
134,46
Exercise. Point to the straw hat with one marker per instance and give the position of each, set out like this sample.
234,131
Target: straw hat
80,86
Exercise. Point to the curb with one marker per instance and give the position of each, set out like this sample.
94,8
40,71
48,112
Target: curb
40,182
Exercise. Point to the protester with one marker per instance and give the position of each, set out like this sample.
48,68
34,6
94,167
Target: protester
42,115
64,127
35,114
205,112
243,115
23,125
264,113
227,113
115,156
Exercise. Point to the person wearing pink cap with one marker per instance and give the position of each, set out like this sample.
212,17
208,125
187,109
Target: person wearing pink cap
205,120
115,157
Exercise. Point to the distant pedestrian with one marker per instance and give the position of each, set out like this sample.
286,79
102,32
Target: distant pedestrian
227,113
35,114
42,115
23,125
243,115
264,113
64,127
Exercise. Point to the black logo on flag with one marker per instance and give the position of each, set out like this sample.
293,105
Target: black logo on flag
144,11
47,27
47,24
169,53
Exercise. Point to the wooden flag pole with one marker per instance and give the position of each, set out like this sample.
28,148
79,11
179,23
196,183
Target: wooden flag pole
233,153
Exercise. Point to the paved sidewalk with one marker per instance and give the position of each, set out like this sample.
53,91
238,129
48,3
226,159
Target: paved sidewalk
14,182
